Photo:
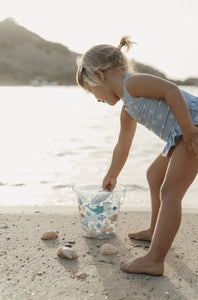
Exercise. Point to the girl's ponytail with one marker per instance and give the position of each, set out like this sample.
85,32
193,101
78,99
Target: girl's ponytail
125,42
101,57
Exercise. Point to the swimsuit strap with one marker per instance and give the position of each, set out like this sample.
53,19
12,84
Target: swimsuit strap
126,77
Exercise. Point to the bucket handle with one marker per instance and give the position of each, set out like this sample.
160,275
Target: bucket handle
124,197
75,188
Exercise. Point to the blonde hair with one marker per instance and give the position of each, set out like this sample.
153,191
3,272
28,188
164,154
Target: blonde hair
101,57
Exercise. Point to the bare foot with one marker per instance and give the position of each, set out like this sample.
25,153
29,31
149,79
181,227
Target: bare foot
145,235
143,265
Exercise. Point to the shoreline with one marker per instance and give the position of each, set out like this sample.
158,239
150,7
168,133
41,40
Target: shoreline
72,209
30,268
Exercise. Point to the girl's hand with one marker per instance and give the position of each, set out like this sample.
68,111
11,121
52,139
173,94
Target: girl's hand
192,141
109,183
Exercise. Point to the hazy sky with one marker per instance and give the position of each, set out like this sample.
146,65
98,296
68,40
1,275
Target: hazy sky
166,30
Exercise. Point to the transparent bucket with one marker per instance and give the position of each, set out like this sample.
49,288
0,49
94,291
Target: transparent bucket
99,210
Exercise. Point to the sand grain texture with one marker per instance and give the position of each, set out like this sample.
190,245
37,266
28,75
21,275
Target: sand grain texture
30,268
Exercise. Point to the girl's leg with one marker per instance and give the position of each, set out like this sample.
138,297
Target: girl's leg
181,172
155,177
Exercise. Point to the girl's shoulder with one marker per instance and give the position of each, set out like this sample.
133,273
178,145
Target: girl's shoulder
132,81
146,85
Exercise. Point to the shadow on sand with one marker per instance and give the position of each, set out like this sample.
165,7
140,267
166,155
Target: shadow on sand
120,285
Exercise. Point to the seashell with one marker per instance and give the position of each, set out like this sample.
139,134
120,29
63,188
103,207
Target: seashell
49,235
67,252
81,275
108,249
91,234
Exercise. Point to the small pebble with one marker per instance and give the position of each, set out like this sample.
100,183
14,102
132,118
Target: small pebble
81,275
108,249
91,235
49,235
68,245
3,226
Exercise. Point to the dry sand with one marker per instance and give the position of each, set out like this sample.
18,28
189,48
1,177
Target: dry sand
30,268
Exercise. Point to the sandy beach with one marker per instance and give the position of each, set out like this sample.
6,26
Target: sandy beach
30,268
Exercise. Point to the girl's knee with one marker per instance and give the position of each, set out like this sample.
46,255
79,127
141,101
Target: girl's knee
165,192
170,192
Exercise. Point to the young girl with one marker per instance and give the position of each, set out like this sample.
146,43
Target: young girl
169,112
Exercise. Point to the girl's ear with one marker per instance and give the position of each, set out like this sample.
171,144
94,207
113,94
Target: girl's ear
99,74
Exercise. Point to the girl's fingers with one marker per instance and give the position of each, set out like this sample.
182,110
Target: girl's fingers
109,187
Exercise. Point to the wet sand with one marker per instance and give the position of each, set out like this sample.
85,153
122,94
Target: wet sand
30,268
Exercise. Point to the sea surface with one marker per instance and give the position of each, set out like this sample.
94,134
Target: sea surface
53,138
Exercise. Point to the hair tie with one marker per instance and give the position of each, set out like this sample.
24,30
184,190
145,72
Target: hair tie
122,44
81,69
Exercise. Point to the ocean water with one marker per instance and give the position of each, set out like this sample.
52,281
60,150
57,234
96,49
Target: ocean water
53,138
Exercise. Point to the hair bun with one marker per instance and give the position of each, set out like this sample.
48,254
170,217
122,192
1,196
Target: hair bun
126,42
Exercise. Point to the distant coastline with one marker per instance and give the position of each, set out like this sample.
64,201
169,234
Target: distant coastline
28,59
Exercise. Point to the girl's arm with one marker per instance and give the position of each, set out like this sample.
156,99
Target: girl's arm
121,150
143,85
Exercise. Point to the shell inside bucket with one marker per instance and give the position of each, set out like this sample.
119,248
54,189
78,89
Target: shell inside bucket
99,210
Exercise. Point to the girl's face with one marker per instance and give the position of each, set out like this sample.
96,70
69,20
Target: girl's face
104,94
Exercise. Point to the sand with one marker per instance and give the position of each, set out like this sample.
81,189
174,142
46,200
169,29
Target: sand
30,268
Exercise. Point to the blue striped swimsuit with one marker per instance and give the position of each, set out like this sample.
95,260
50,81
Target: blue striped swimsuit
155,115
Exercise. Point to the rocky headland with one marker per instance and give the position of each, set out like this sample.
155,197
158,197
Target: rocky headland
28,59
